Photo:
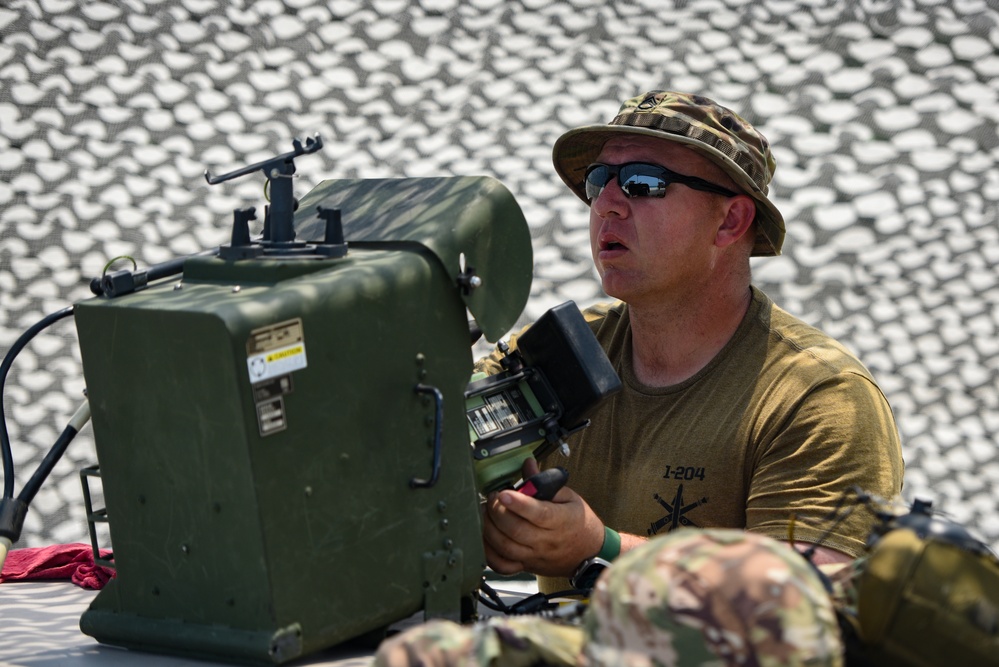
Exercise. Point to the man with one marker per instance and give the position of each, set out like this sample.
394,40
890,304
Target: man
733,413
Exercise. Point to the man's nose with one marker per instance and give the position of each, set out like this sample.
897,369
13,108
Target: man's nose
611,200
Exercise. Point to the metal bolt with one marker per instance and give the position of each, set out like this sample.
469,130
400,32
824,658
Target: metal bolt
236,288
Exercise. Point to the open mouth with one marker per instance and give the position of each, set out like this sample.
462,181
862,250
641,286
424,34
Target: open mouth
609,242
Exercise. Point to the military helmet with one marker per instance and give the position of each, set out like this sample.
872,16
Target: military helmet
718,597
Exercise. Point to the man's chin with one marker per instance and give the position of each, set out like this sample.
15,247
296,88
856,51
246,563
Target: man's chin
615,286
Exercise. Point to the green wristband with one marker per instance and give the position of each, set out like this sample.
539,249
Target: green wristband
611,548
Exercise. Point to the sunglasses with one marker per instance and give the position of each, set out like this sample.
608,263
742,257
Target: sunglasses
641,179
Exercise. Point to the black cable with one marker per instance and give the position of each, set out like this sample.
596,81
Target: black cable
502,608
14,510
119,283
533,604
15,349
495,602
79,419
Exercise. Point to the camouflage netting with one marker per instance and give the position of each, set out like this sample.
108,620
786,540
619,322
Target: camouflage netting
883,112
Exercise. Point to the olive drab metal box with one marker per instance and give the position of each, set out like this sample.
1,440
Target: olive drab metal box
281,436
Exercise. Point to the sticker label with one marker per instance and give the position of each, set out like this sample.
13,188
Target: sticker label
275,350
270,416
501,411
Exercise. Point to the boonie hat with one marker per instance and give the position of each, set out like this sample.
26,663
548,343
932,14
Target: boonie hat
717,133
718,597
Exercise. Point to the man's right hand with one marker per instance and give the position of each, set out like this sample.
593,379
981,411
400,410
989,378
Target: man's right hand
549,538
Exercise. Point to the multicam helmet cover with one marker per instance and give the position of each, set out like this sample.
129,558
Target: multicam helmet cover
692,598
718,597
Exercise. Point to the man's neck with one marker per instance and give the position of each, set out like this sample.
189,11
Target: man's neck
671,343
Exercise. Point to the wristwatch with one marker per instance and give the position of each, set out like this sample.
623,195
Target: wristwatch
586,574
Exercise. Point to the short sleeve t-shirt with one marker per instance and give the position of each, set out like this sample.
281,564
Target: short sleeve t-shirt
774,432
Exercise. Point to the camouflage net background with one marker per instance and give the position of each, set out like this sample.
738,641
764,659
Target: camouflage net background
883,112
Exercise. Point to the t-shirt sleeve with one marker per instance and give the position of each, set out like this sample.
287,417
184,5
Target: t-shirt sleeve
841,436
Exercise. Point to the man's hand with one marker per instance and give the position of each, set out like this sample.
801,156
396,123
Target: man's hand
549,538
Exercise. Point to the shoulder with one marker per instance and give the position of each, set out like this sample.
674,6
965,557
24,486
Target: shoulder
791,341
804,368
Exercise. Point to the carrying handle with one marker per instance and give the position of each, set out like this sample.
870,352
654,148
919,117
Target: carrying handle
416,482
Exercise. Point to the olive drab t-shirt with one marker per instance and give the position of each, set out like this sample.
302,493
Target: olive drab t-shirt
776,428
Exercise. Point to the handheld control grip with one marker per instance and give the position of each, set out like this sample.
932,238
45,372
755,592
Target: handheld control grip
545,484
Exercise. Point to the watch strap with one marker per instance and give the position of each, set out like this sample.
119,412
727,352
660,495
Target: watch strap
611,548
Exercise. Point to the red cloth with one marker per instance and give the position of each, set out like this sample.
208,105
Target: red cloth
60,561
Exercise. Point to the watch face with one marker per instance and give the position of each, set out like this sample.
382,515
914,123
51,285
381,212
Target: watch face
587,573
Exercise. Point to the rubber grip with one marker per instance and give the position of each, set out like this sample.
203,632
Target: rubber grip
545,484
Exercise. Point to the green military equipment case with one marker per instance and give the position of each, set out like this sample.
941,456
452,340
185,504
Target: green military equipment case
926,602
282,440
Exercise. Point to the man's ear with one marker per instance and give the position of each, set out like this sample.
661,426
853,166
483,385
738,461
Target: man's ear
740,211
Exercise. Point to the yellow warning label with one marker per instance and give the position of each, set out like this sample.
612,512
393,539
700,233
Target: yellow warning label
284,354
275,350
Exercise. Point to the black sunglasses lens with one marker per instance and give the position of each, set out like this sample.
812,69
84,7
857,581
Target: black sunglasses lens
636,179
596,178
642,180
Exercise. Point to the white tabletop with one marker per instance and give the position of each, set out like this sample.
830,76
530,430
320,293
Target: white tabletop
40,627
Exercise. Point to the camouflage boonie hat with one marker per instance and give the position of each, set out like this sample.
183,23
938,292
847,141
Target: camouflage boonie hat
718,597
715,132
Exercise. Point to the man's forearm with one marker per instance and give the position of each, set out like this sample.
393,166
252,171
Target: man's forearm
629,541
